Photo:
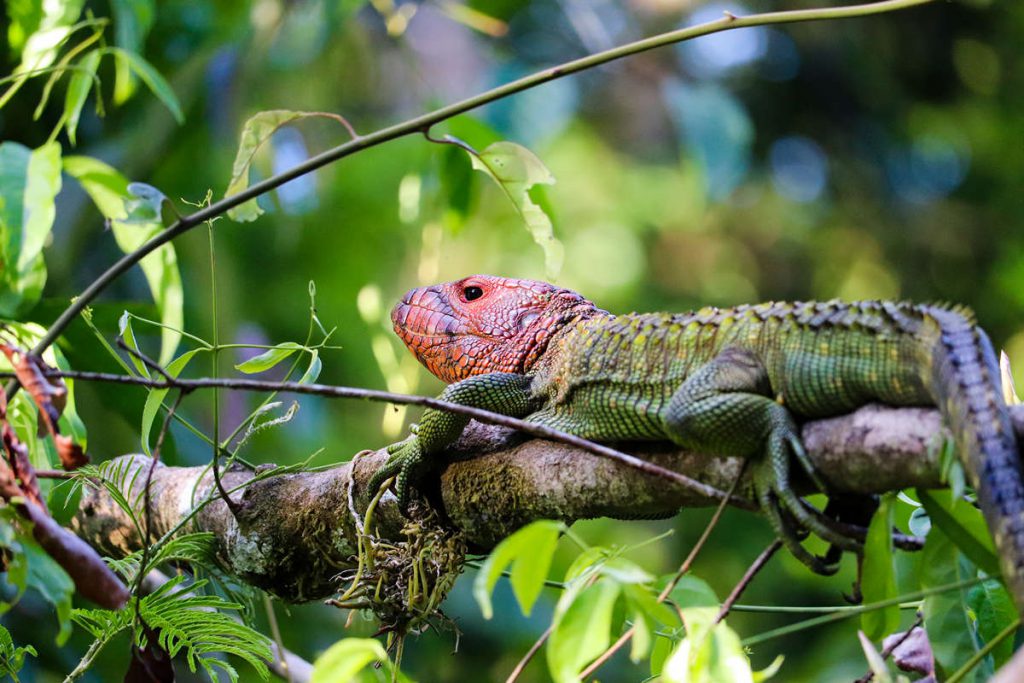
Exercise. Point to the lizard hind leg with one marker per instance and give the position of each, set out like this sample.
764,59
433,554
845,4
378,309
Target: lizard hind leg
726,408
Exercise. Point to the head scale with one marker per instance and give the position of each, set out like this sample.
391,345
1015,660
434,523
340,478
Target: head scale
484,323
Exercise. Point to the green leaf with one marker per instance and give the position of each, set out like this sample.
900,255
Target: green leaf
312,372
257,130
691,591
711,654
874,657
994,610
12,658
52,582
151,77
947,617
132,21
114,197
529,552
156,397
124,330
56,23
78,89
342,661
144,205
268,358
29,182
878,579
516,169
63,501
581,629
963,524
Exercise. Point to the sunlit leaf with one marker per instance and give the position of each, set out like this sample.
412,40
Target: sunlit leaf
268,358
878,578
874,657
127,334
517,169
258,129
529,552
1006,375
581,629
963,524
342,661
29,182
55,24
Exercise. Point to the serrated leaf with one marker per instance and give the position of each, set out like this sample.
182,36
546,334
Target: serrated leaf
268,358
342,661
12,658
529,552
878,578
964,525
516,169
29,183
581,629
152,78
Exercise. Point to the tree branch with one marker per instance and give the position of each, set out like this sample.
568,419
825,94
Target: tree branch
294,533
425,121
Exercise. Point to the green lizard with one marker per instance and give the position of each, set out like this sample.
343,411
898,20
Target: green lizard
719,381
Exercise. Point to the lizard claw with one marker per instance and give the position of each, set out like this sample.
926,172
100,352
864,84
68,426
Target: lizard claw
788,514
406,463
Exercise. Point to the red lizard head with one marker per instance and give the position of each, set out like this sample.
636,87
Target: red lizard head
484,323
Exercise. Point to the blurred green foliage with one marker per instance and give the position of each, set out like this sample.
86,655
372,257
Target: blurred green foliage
879,157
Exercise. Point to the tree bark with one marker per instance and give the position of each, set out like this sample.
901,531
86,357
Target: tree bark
295,532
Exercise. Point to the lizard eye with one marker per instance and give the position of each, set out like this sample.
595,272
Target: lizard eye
472,292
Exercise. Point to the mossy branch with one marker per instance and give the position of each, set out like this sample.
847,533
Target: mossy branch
294,533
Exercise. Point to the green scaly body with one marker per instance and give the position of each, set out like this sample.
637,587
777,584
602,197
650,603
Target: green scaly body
730,381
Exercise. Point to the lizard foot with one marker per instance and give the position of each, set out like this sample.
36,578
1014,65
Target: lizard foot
407,463
788,514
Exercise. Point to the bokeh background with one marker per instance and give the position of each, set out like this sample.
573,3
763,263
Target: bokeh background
880,157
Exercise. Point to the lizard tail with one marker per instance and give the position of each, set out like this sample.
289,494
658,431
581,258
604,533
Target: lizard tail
965,382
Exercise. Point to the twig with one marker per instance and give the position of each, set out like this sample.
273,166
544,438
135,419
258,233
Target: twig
667,590
748,576
417,124
512,677
478,414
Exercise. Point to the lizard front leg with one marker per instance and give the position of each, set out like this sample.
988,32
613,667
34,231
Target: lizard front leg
499,392
726,408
